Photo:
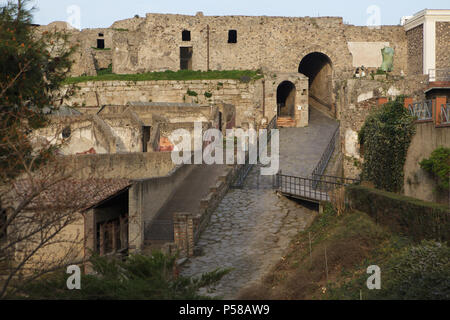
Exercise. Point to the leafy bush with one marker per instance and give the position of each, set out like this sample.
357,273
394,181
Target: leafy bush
439,166
418,272
386,136
416,218
138,278
192,93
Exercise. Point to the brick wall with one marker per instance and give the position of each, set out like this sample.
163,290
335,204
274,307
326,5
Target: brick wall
415,50
442,45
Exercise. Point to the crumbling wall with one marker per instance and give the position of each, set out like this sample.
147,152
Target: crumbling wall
247,97
154,45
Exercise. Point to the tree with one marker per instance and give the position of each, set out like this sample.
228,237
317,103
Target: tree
33,66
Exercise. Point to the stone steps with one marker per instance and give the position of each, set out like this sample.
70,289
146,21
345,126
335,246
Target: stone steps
286,122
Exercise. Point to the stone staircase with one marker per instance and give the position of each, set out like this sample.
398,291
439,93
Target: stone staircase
286,122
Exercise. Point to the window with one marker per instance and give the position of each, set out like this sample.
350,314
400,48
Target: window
232,36
100,34
186,35
100,43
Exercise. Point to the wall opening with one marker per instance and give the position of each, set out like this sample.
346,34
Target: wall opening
100,43
111,226
186,58
100,34
318,68
232,36
186,35
286,92
145,138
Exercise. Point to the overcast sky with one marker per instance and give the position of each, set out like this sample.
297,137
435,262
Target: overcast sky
102,13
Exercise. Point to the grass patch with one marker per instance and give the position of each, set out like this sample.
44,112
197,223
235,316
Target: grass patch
182,75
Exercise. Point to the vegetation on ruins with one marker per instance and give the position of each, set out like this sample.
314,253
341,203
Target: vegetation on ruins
438,165
181,75
385,137
138,277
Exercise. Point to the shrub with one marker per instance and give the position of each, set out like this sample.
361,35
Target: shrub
416,218
138,278
439,166
386,136
418,272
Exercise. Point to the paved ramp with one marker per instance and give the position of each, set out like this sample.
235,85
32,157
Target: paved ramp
302,148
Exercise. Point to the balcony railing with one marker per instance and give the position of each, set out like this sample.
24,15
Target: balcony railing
439,75
422,110
445,113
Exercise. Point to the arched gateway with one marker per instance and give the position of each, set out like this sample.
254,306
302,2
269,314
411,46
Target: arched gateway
319,69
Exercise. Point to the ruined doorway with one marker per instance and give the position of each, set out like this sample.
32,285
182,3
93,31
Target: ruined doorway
286,92
186,58
318,68
100,43
145,138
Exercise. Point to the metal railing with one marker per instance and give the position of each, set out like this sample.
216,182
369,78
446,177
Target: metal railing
439,74
314,189
445,113
159,230
323,162
247,167
422,110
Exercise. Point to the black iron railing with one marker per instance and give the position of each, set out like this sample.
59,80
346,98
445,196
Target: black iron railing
314,189
245,169
323,162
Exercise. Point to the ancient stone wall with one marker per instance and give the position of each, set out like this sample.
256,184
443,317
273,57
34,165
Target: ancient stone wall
415,50
392,36
356,98
442,45
127,165
247,97
271,43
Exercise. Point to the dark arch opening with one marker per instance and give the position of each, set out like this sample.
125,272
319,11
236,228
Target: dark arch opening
286,99
319,69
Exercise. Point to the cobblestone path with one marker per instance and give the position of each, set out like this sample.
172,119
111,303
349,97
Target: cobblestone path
252,227
248,232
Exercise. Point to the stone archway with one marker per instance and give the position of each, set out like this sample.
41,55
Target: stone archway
318,67
286,93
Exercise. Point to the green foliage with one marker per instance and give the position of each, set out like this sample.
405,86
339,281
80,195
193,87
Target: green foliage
192,93
418,272
208,94
108,70
120,29
386,136
101,49
182,75
136,278
418,219
439,166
